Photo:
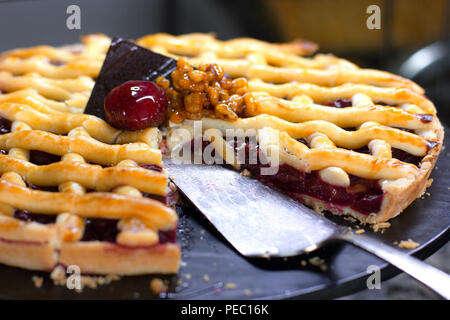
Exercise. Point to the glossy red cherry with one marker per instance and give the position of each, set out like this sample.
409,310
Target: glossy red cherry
136,105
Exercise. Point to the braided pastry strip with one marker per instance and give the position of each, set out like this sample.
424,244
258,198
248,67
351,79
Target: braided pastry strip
93,205
90,176
94,46
11,175
406,141
62,63
392,96
56,89
238,51
132,231
198,43
40,65
81,143
33,100
306,159
295,111
44,118
257,64
69,225
332,175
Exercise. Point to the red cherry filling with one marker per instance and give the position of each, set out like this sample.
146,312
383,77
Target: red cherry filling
340,103
98,229
363,195
153,167
5,126
136,105
36,217
42,158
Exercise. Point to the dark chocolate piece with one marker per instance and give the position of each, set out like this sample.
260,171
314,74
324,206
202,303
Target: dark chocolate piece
126,61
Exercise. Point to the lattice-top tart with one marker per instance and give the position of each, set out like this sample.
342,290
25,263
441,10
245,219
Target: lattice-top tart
75,190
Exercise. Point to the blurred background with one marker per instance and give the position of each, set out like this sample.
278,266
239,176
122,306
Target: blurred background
414,41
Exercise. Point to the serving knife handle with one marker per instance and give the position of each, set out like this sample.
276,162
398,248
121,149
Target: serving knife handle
430,276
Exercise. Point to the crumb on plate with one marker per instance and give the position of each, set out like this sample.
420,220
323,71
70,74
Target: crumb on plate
408,244
230,286
158,286
38,281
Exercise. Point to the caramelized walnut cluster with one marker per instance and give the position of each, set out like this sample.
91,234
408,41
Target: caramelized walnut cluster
205,92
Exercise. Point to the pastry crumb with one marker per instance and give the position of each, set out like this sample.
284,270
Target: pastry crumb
230,286
303,263
428,183
172,186
247,292
318,262
188,276
349,218
206,278
158,286
408,244
317,210
94,282
58,276
38,281
360,231
380,226
246,173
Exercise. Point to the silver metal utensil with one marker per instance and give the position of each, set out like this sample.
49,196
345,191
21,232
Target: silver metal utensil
261,222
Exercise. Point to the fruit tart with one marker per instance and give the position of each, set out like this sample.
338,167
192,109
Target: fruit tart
82,180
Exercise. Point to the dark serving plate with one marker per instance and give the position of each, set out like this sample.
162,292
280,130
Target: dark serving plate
210,264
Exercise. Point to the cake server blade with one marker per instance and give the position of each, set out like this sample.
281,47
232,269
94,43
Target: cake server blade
260,222
255,219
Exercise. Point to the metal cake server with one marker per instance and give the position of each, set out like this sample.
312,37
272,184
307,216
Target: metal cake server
260,222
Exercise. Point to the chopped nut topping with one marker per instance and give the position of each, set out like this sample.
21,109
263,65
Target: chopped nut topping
205,92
